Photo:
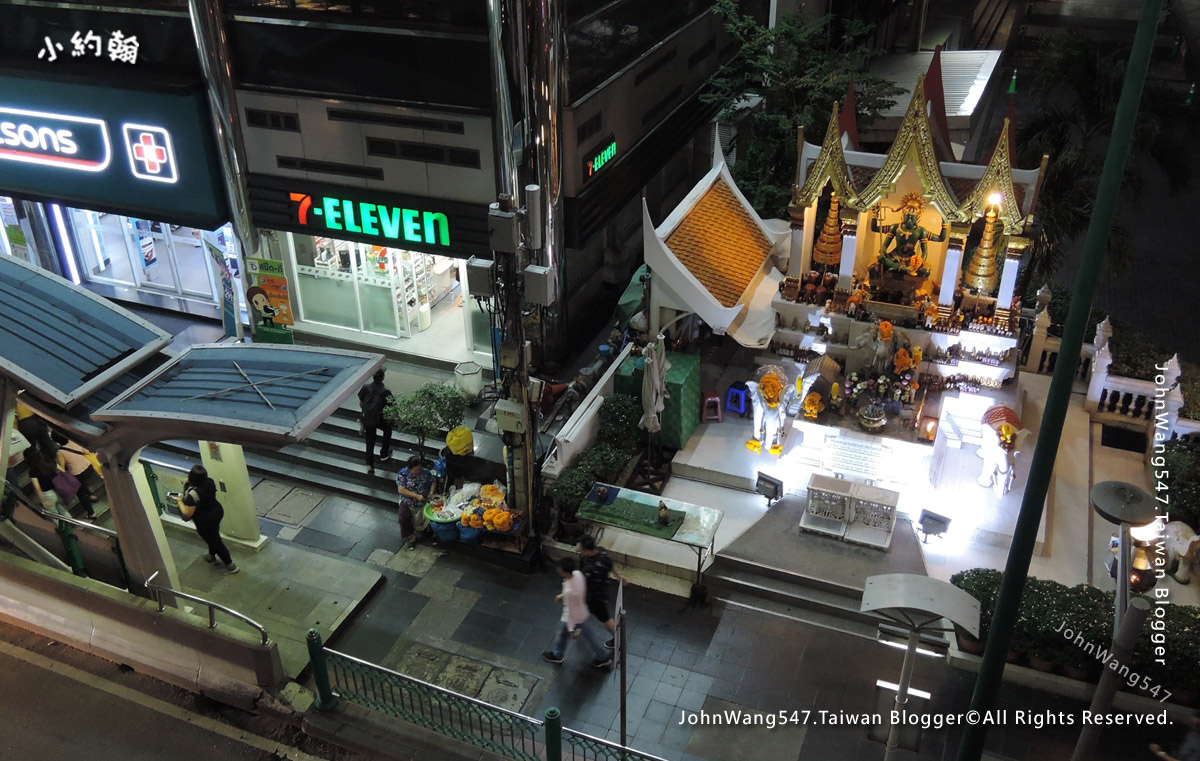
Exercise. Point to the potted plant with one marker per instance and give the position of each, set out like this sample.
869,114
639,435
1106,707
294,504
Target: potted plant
427,411
983,584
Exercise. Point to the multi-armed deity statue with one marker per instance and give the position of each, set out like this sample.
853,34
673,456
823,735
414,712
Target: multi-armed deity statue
905,247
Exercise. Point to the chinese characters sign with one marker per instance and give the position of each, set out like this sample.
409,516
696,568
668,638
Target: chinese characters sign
120,48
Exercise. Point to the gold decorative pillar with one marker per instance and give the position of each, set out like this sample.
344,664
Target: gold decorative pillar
827,253
982,273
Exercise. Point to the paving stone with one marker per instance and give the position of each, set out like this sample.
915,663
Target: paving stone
287,533
422,662
752,743
667,693
381,557
295,506
267,494
466,676
508,689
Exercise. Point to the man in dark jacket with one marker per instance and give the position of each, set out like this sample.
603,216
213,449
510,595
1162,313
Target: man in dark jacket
596,566
373,398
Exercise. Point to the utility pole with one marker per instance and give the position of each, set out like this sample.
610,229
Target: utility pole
987,685
515,236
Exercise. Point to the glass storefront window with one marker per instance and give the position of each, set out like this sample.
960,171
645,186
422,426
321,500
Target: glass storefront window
153,257
383,295
11,236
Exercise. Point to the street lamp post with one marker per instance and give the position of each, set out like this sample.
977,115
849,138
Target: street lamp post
1127,506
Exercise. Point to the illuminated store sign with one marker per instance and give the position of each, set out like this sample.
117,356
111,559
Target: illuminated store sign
58,140
397,224
376,217
144,153
606,154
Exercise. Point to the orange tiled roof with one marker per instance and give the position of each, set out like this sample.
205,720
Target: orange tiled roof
719,242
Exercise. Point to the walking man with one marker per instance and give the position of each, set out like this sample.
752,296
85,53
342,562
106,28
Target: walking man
373,399
574,617
597,565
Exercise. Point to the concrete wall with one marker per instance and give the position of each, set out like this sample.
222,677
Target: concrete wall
229,664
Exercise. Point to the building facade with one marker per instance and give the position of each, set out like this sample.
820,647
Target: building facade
373,139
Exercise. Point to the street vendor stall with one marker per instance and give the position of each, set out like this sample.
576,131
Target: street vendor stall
474,514
693,526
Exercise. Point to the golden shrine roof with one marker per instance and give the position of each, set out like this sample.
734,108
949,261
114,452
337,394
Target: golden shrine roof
719,242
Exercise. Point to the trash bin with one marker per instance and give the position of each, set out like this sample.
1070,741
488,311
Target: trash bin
424,318
468,376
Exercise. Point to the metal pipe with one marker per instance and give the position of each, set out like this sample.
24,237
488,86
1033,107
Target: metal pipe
991,670
212,607
1122,575
1127,633
548,91
212,44
906,670
507,171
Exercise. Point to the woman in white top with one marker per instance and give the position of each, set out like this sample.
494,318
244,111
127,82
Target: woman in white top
575,614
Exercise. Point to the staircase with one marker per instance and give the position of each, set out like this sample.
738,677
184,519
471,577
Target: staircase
746,585
332,459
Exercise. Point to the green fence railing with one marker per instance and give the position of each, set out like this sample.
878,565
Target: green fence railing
576,746
485,726
495,729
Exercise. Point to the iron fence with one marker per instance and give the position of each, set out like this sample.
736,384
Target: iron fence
577,746
457,716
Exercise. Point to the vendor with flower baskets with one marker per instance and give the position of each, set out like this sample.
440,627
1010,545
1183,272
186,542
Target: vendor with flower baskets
416,484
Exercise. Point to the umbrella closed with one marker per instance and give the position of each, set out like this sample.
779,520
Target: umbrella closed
654,385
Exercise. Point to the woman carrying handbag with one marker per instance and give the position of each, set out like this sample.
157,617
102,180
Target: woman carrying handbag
199,504
56,488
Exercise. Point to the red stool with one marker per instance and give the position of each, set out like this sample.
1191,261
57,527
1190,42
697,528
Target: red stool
710,407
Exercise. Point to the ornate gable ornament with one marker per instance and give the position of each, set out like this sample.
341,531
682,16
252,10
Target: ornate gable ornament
914,145
830,166
997,178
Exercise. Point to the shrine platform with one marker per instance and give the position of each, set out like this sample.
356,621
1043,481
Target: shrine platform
938,476
776,540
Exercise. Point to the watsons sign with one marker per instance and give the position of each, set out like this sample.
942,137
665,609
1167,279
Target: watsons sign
396,224
56,140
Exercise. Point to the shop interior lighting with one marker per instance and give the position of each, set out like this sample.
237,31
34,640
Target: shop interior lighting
904,646
66,241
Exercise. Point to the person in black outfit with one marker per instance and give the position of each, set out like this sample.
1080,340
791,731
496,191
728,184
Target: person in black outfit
373,398
596,566
200,492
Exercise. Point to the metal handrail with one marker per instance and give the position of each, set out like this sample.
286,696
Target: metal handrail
434,687
44,513
592,747
213,607
161,464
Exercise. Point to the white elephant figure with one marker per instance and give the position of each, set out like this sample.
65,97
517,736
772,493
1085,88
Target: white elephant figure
1002,439
769,395
1182,545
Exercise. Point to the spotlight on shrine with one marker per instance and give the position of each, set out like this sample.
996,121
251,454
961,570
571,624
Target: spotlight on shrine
932,523
994,199
769,487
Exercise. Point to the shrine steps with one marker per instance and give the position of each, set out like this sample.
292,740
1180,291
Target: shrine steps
742,584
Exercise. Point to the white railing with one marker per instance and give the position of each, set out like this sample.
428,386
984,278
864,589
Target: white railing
578,433
1113,398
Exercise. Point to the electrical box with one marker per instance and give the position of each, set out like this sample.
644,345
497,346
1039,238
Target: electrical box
539,285
479,276
504,230
510,416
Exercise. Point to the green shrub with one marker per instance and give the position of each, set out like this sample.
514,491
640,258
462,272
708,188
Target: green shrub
1189,384
1088,613
1182,464
619,416
983,584
1134,354
600,463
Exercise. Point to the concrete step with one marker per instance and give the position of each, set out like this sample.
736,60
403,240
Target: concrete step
793,595
737,600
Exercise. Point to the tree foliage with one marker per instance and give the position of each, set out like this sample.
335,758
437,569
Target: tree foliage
1076,91
799,71
427,411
